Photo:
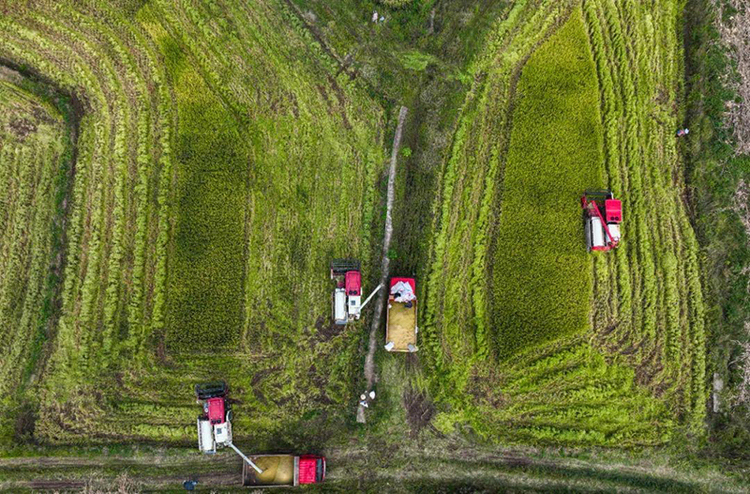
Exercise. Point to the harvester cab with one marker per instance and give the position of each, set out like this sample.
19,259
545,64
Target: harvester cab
347,296
215,423
602,220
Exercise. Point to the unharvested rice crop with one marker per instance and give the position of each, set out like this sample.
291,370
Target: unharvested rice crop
541,277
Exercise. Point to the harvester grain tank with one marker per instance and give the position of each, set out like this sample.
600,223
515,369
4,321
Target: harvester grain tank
347,296
401,317
602,220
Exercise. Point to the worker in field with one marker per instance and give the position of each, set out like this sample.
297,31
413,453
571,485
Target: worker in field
683,132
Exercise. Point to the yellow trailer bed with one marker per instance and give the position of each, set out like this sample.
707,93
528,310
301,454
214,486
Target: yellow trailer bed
278,470
401,322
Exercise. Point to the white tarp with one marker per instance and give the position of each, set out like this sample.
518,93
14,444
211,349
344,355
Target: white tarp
402,292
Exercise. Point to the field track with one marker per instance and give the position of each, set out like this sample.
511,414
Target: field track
402,470
377,318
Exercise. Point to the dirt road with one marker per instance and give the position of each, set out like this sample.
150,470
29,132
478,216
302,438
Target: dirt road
377,317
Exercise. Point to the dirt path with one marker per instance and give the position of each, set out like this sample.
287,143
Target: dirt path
435,463
377,316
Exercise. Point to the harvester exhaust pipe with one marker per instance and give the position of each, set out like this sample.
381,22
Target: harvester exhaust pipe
248,460
377,289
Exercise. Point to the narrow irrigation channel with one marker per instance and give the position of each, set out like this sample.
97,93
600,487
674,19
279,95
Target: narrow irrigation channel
377,317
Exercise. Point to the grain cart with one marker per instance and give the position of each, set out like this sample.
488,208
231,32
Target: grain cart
215,423
602,218
284,470
401,317
347,296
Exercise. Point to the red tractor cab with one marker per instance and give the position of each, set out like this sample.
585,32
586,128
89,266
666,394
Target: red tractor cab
602,220
215,410
353,284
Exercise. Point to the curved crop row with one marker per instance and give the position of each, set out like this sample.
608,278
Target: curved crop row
115,213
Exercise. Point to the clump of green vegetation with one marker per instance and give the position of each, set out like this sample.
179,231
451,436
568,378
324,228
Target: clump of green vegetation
396,3
416,60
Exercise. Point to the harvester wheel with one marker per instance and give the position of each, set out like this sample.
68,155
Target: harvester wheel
229,415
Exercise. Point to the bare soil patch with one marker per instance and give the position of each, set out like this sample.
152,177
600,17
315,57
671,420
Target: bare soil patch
22,127
327,331
419,410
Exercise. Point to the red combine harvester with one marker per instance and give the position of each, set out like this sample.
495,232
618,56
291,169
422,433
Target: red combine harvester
215,424
347,296
603,215
215,431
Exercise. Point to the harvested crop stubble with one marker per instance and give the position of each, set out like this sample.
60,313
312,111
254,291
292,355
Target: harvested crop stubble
34,161
567,392
648,302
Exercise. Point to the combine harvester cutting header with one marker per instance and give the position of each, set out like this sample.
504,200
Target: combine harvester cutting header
603,215
215,431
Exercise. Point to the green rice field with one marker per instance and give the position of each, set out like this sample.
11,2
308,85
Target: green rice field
176,177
